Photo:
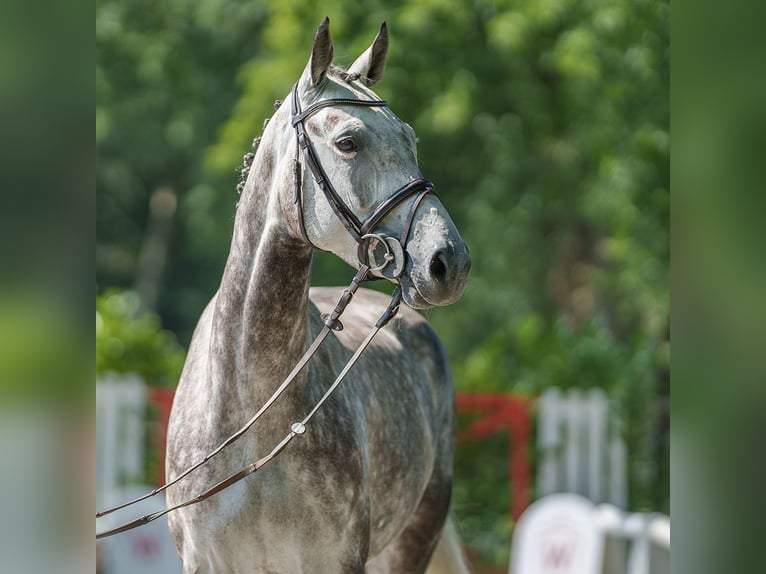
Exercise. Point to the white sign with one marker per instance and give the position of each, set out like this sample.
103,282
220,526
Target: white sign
557,535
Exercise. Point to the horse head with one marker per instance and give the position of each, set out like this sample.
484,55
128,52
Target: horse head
367,157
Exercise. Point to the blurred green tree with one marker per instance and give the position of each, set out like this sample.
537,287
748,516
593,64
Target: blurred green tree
131,341
165,80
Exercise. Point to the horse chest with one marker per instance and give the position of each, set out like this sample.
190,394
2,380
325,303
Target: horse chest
355,475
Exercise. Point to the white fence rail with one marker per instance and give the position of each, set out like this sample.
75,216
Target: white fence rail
568,534
580,448
121,403
120,433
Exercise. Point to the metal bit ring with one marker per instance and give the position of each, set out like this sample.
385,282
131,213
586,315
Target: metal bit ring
388,257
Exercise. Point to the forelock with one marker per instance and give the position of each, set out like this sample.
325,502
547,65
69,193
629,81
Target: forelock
342,74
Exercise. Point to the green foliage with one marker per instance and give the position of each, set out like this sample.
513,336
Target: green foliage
480,498
165,80
128,341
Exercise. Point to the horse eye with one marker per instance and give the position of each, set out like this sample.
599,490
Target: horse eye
346,145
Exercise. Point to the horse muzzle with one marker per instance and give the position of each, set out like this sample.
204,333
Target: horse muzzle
435,277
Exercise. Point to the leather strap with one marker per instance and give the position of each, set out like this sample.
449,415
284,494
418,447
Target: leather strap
222,485
299,117
393,200
342,211
405,237
331,322
295,430
355,227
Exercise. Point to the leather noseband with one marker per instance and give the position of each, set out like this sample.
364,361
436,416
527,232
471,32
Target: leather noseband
363,232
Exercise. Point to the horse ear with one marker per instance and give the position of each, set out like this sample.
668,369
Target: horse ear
370,65
321,54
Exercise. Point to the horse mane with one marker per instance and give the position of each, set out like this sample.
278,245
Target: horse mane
343,74
337,72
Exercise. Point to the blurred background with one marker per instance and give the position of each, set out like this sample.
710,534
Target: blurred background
545,126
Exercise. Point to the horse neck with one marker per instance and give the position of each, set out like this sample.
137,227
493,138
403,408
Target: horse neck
259,325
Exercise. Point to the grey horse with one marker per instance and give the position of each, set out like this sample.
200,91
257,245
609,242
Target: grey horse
367,487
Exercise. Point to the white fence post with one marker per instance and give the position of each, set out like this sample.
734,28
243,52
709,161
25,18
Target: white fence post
596,415
580,448
573,452
548,442
566,534
635,543
618,467
121,428
120,422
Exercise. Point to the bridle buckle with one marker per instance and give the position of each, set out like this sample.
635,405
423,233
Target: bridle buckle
384,255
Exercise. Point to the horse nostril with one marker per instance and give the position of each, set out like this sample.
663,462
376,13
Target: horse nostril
438,267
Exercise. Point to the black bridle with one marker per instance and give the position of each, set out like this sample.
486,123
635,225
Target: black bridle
364,234
361,231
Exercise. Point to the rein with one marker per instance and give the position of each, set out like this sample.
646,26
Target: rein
363,233
297,428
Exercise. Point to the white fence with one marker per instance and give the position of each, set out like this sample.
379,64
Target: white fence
582,461
120,433
568,534
121,402
580,448
580,452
